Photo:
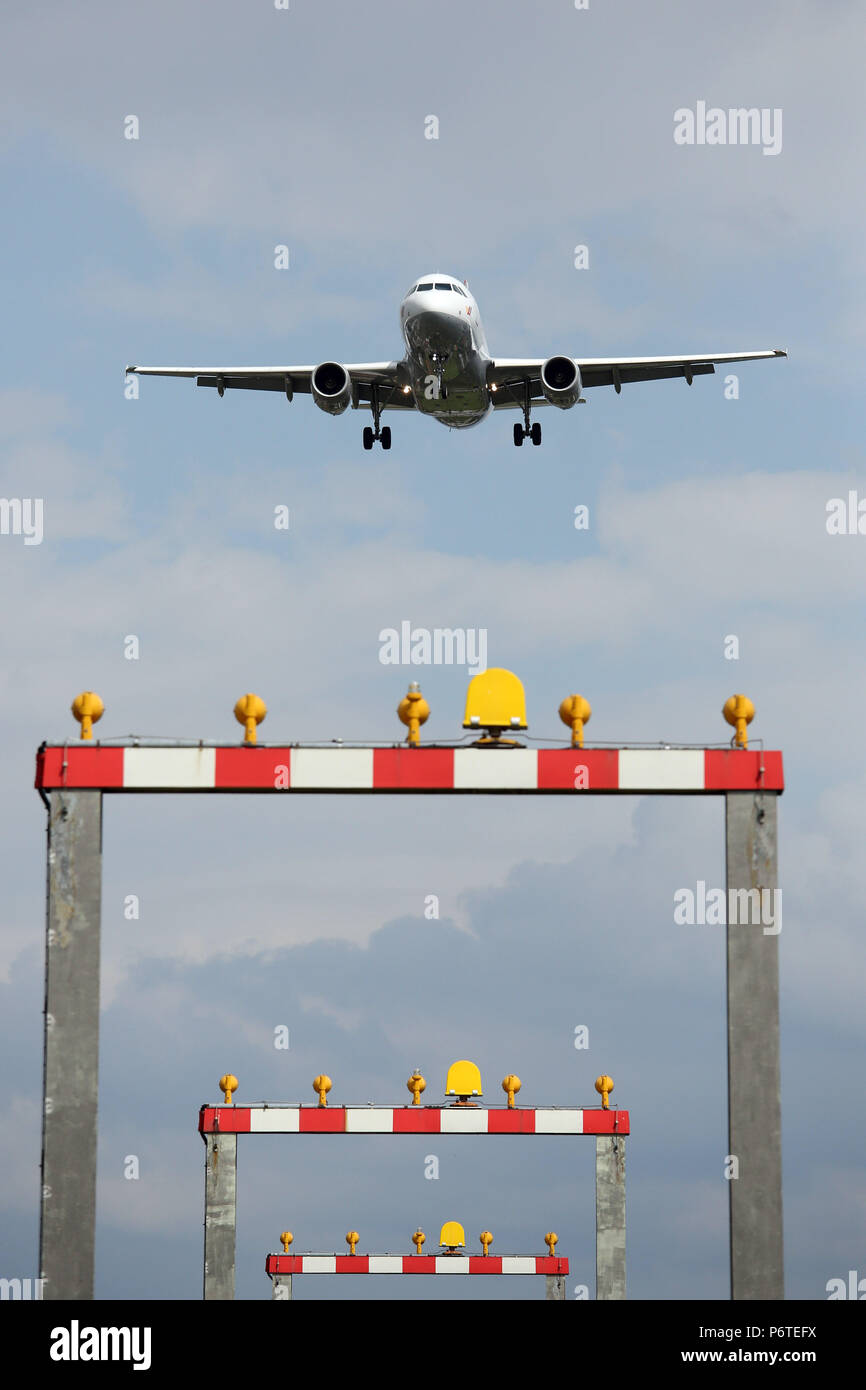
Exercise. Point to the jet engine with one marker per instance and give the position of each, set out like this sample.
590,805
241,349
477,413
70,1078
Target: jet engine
331,387
560,382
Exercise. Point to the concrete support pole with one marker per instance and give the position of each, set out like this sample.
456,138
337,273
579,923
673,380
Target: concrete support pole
554,1287
220,1215
282,1287
754,1089
71,1052
609,1216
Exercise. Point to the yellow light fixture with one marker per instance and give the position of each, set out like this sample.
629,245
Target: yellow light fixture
495,701
452,1235
228,1083
418,1240
87,708
416,1084
321,1086
250,710
413,711
738,711
463,1080
575,711
486,1239
352,1239
550,1241
604,1086
286,1238
511,1085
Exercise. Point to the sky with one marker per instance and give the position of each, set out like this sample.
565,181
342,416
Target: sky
305,127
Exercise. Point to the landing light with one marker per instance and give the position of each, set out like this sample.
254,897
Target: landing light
407,390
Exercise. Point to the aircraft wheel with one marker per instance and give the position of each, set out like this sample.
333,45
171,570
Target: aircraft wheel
518,435
386,436
535,433
368,437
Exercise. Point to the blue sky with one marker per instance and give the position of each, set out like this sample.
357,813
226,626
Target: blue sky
707,517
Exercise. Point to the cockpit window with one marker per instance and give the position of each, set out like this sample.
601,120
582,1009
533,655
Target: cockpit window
427,286
440,285
459,290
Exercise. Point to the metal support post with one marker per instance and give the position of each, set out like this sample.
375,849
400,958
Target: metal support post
554,1287
610,1216
282,1287
220,1215
754,1090
71,1052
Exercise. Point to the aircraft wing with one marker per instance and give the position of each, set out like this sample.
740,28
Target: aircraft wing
292,379
512,375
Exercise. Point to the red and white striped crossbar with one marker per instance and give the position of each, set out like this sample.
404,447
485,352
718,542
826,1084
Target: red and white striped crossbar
689,771
409,1119
416,1264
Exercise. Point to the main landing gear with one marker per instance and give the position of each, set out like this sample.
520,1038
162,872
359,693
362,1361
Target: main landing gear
533,433
383,434
526,430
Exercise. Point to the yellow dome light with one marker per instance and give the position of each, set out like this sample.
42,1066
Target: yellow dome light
413,711
352,1239
486,1239
87,708
322,1085
604,1086
418,1240
463,1081
286,1238
550,1241
416,1084
575,711
511,1085
250,710
495,701
228,1083
738,711
452,1235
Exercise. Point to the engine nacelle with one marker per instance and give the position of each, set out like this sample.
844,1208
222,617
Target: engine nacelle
560,382
331,387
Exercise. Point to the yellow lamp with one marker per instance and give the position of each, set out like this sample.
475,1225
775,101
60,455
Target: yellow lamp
604,1086
87,708
228,1083
550,1241
352,1239
511,1085
463,1081
486,1239
575,711
740,712
250,710
413,711
321,1086
416,1084
495,700
418,1240
452,1235
286,1238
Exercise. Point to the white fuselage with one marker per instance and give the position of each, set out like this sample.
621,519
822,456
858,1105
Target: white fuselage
446,351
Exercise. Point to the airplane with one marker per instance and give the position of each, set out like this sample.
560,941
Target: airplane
447,371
